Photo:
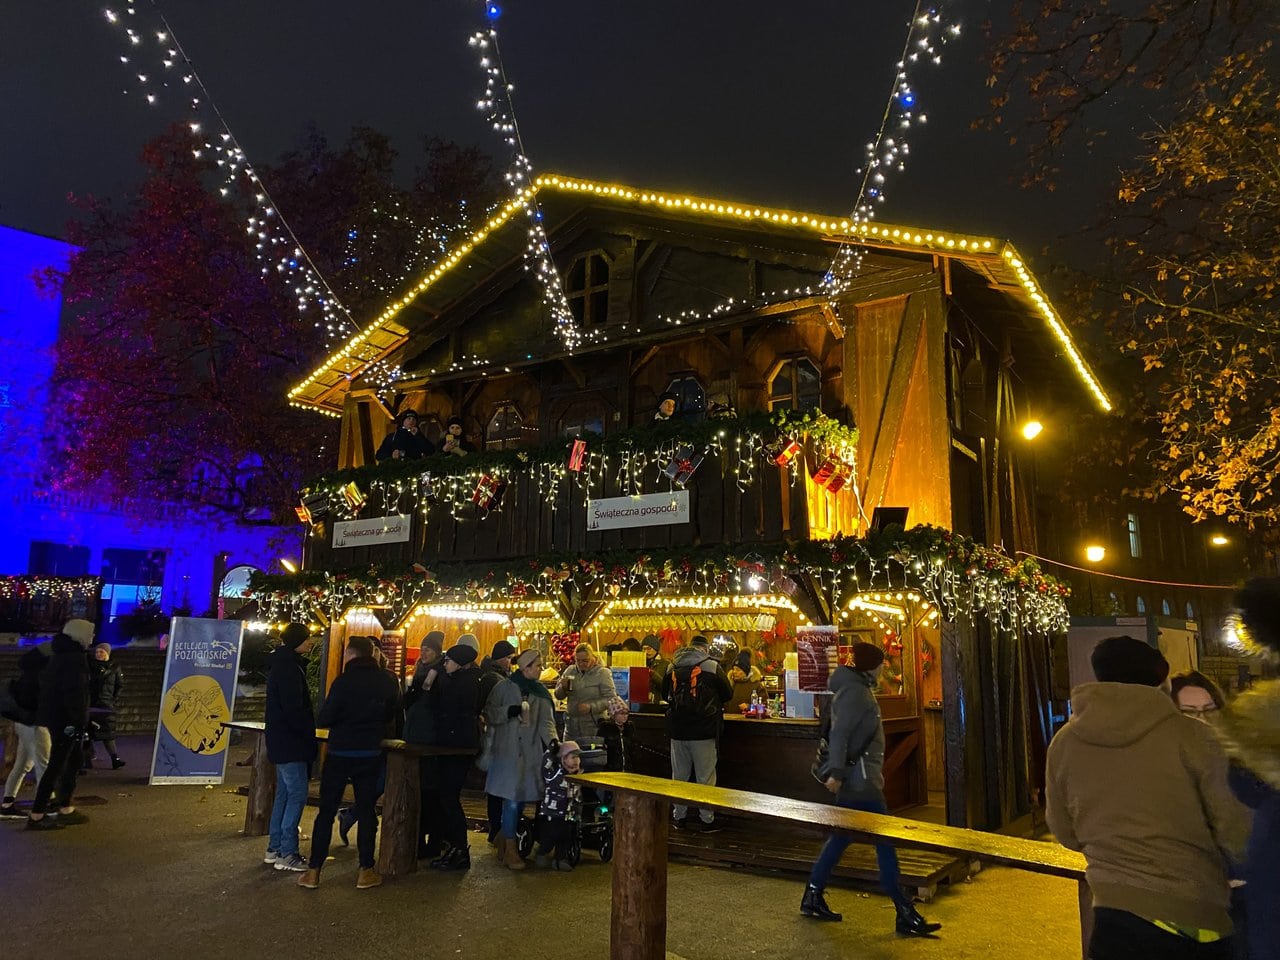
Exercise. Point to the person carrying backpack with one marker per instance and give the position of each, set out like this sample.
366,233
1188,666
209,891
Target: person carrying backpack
696,692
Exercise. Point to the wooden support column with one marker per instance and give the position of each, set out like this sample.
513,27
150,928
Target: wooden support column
262,791
401,804
639,928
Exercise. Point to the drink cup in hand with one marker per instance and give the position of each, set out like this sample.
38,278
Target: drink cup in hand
524,713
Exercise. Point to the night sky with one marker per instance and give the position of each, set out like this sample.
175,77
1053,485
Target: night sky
768,101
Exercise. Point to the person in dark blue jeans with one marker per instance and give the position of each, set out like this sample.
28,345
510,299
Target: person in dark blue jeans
855,775
362,709
291,744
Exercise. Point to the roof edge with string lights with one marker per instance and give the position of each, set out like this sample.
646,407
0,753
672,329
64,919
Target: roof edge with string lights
383,334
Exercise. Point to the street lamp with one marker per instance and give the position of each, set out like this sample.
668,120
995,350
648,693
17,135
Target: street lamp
1095,553
1218,540
288,565
1032,429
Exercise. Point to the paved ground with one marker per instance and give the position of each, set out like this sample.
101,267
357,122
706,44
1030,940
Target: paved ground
163,872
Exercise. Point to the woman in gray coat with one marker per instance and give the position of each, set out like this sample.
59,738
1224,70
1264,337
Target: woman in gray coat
589,686
522,715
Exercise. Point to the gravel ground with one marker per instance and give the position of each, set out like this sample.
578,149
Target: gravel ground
164,872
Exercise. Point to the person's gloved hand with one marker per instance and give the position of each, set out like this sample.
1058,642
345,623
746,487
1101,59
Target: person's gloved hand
513,711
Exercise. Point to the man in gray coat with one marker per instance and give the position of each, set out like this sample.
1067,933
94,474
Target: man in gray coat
855,775
588,684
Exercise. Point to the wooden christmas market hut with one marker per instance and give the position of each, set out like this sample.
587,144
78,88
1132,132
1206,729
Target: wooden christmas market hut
729,446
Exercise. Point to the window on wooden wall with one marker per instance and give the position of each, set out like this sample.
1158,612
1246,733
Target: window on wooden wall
1191,610
691,398
505,430
1135,536
795,384
1141,605
582,416
1166,608
587,289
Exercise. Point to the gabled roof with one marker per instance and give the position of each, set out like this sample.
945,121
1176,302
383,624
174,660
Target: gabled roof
995,260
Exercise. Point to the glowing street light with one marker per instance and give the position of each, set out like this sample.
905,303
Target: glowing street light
1094,553
288,565
1032,429
1218,540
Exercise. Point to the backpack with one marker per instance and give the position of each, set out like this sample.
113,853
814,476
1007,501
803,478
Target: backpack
693,697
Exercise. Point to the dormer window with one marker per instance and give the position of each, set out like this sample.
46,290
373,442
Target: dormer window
587,289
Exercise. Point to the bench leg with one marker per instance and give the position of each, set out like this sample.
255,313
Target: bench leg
1086,918
398,853
262,791
639,928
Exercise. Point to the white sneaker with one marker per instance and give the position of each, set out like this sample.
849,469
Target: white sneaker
293,863
272,857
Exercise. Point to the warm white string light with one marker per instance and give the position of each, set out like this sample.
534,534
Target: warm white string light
498,106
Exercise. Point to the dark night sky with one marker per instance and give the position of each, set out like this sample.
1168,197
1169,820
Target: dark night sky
768,101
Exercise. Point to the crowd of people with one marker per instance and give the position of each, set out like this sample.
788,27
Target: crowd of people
62,702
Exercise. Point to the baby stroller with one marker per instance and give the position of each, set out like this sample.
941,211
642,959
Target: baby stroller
594,829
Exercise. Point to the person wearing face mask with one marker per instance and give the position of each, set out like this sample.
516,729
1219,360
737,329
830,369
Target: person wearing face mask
855,777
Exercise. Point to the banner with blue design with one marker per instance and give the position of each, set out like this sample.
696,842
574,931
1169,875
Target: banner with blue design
201,666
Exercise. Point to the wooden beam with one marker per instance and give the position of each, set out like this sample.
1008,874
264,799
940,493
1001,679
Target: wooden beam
639,912
578,376
834,323
645,357
892,413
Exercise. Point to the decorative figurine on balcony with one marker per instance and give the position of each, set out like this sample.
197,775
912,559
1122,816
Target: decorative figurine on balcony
454,442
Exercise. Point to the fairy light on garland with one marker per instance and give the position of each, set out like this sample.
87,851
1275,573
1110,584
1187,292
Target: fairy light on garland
498,106
62,588
276,246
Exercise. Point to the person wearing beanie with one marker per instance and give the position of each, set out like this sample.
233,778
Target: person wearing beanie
106,680
454,440
658,666
696,691
746,678
1141,791
855,776
587,685
455,703
291,743
493,670
63,709
407,441
418,720
561,806
618,733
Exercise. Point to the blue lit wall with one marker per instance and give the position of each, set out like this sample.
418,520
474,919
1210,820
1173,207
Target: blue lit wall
29,325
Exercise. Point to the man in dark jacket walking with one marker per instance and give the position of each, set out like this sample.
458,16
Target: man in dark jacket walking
106,680
696,691
362,709
291,743
855,775
64,711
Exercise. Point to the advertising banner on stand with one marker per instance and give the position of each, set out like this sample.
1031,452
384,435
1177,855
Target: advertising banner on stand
200,670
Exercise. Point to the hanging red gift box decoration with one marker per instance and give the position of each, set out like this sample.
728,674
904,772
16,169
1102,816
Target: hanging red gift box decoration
784,451
578,455
488,492
684,464
833,473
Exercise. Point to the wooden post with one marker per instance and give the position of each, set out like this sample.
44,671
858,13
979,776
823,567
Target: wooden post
262,791
1086,917
401,803
640,878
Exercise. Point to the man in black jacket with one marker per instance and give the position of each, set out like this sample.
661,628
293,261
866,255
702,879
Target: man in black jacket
855,775
495,668
33,740
406,442
362,709
696,691
455,701
291,743
64,711
106,680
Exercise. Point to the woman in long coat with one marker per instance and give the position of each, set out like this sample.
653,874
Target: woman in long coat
522,715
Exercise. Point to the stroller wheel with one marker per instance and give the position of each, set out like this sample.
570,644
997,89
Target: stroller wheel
606,850
525,838
575,852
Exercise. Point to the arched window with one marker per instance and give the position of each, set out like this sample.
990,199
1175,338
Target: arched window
582,416
1166,608
795,384
691,399
1141,605
1191,610
586,287
506,428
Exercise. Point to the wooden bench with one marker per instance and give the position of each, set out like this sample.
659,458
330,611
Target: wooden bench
401,800
642,809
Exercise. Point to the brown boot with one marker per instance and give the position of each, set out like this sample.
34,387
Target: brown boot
500,849
514,861
367,878
309,879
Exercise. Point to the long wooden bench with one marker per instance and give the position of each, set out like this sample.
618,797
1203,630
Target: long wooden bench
401,800
642,809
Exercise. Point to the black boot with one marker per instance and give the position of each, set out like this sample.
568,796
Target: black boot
458,858
911,923
814,905
438,862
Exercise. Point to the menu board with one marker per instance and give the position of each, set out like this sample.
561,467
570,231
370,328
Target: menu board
817,652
